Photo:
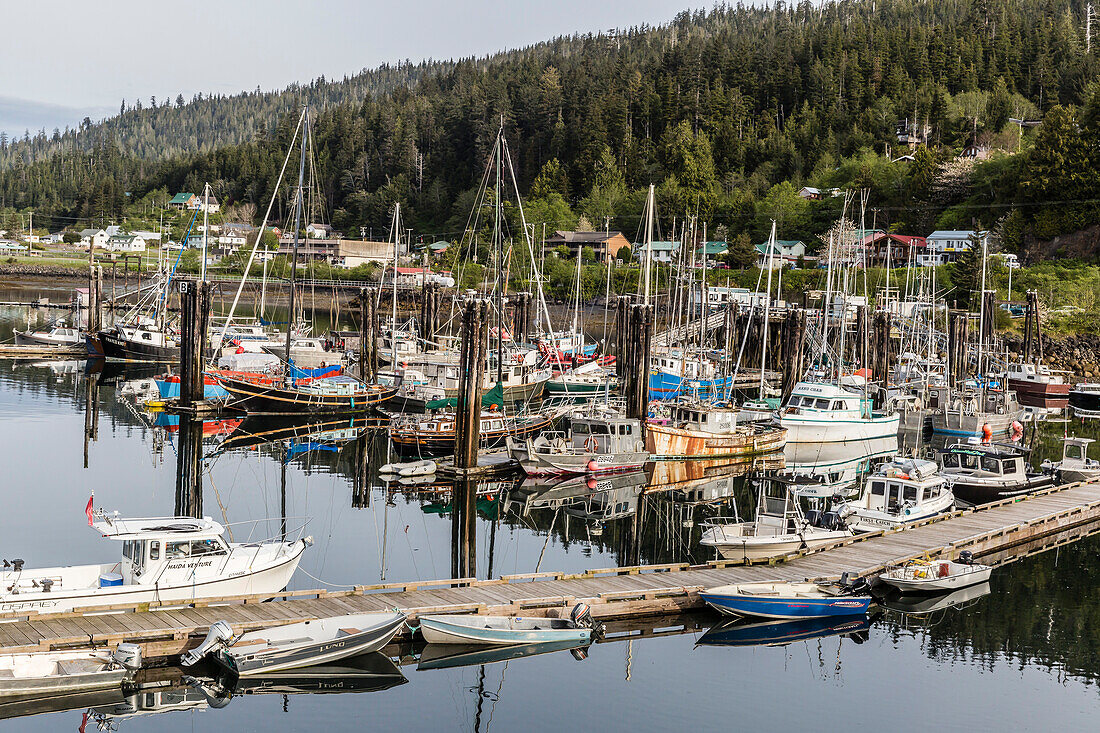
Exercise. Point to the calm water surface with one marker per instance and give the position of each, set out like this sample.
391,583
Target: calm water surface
1026,656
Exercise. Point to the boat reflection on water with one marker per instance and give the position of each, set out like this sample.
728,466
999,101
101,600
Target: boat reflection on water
783,632
917,604
447,656
836,468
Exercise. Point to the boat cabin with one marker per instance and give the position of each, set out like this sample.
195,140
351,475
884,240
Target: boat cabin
703,418
678,364
828,401
1076,449
987,461
605,434
903,483
1033,373
168,543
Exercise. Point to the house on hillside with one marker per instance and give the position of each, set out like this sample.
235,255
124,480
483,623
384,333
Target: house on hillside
126,243
94,238
182,201
320,231
351,253
786,252
606,245
57,238
945,245
712,250
149,237
662,252
897,249
818,194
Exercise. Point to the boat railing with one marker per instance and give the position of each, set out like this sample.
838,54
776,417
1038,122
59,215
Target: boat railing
255,527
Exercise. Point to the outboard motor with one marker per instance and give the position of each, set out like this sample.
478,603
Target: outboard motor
830,520
219,636
813,517
128,656
581,615
966,557
17,564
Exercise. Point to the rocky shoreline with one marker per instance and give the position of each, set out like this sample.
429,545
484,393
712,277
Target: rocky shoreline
1077,353
51,271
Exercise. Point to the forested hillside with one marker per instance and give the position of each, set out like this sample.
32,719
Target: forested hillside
728,112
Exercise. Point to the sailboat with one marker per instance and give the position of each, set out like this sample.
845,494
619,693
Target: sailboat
296,392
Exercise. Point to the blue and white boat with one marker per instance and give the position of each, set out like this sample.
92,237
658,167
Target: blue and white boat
785,600
674,373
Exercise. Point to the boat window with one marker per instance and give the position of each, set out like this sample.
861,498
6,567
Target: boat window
968,460
1013,465
878,488
910,492
992,465
599,429
128,549
147,336
626,430
794,401
822,404
176,550
580,428
154,550
838,404
206,547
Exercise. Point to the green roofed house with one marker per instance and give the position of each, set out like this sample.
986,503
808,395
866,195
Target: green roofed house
181,201
713,249
662,251
786,252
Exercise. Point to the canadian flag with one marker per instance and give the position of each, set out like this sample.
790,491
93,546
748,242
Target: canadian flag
88,509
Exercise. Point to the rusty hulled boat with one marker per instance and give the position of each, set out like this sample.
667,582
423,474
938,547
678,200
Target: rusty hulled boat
697,430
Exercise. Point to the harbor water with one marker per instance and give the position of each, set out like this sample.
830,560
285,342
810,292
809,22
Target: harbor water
1025,655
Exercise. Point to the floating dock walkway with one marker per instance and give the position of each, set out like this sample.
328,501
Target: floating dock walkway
613,593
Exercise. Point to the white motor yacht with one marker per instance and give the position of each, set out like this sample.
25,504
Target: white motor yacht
778,529
164,560
902,491
826,412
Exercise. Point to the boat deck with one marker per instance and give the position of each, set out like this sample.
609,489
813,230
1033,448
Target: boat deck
999,530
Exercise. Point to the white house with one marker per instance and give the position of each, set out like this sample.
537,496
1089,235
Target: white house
945,245
320,231
149,237
126,243
92,238
57,238
786,252
660,251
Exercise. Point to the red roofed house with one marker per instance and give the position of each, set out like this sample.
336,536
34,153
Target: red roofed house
897,248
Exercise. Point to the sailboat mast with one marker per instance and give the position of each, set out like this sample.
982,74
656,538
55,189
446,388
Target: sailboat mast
648,241
294,250
767,309
498,241
205,228
396,246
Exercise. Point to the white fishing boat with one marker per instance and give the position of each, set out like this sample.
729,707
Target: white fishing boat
779,527
304,644
1075,464
899,492
41,674
935,576
61,334
502,630
599,440
164,560
827,412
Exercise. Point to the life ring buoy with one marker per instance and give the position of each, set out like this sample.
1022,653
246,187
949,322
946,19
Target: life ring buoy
590,444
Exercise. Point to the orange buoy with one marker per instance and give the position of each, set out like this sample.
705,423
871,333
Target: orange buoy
987,433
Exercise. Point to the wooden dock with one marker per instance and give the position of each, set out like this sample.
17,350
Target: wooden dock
1009,529
11,351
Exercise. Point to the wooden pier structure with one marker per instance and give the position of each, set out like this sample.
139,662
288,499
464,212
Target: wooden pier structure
1003,530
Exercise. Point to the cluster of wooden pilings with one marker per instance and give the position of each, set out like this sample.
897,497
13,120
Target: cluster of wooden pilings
368,336
633,342
431,297
472,355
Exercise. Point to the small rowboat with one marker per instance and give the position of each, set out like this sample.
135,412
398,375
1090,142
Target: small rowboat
934,576
785,600
304,644
501,630
40,674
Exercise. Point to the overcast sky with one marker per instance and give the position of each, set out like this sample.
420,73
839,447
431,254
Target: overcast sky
63,59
